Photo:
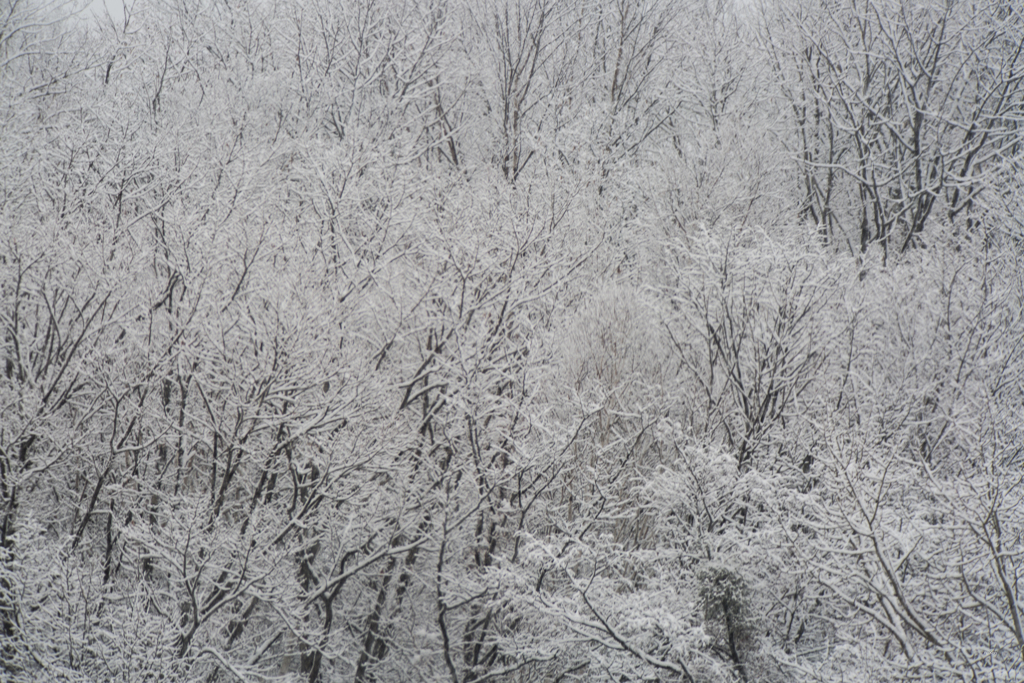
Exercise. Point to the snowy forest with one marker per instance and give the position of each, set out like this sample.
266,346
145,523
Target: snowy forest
512,341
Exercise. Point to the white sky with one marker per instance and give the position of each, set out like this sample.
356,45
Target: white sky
98,9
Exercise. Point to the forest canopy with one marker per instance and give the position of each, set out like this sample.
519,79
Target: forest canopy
512,340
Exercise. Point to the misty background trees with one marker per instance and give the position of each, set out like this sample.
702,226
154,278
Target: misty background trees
478,340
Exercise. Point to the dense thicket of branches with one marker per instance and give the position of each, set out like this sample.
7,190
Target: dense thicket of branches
512,340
